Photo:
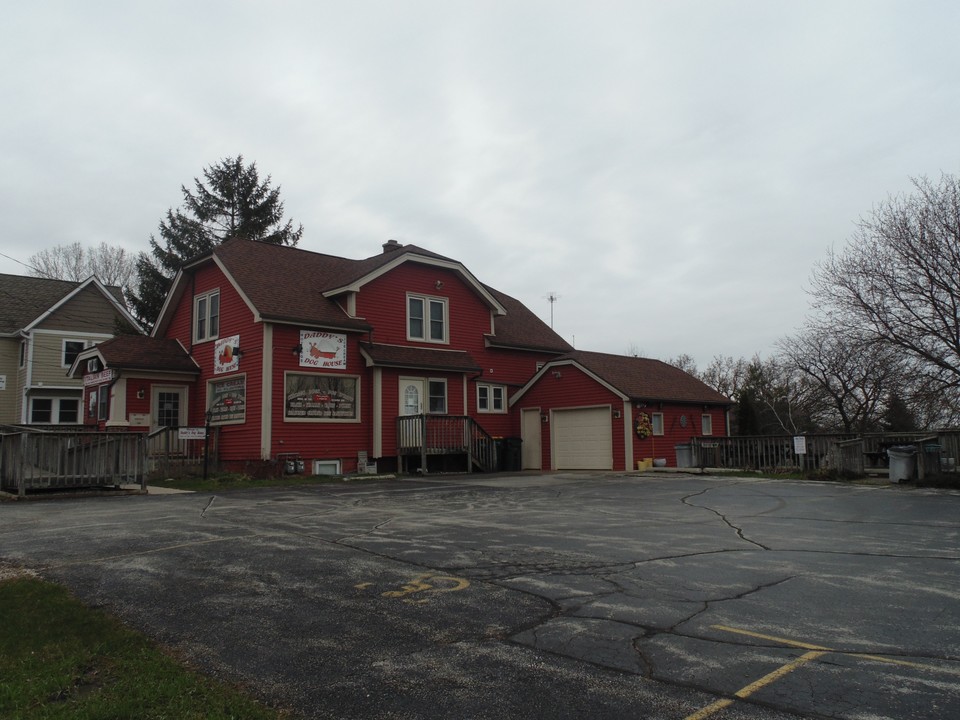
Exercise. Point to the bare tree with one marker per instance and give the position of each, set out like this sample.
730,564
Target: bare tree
686,363
112,264
896,280
725,375
852,378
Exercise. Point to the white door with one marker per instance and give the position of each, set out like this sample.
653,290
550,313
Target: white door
582,439
169,406
530,433
412,391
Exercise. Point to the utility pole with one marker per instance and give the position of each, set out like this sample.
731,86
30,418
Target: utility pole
551,298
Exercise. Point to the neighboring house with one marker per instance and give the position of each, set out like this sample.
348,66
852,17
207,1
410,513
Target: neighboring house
44,325
588,410
291,353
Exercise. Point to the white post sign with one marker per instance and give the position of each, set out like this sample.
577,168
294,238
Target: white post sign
191,433
800,444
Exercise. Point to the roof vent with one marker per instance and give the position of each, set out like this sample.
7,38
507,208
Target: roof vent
391,246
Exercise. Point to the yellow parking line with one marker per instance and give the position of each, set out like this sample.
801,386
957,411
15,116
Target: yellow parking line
748,690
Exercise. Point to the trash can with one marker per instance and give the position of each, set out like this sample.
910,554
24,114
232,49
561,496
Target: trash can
514,456
932,459
901,462
684,455
500,450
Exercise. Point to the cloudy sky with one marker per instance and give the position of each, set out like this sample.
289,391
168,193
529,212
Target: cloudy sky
671,170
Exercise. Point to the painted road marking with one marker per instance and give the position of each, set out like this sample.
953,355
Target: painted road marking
813,652
419,585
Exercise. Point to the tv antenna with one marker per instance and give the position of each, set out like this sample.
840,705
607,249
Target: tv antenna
551,297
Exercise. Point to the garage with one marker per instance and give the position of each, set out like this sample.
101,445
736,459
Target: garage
582,439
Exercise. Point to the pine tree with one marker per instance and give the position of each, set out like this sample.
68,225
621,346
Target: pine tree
230,202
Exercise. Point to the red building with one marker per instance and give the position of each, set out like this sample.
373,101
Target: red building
404,358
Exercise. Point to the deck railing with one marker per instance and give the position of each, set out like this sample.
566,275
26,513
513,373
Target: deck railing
32,459
167,453
426,435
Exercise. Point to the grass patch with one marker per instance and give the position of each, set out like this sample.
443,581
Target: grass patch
60,659
224,482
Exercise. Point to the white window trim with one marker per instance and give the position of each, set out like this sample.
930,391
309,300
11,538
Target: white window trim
55,410
427,299
208,336
63,349
490,409
653,424
706,424
23,354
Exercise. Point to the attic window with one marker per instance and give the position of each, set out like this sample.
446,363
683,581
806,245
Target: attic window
426,319
206,313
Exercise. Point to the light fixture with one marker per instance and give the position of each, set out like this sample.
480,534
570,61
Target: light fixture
141,392
438,284
557,375
297,350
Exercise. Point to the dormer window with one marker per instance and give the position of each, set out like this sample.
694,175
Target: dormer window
206,313
427,319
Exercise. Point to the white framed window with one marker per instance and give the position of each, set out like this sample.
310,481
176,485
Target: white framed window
656,423
23,353
437,396
206,316
490,398
72,348
55,411
706,424
103,403
427,319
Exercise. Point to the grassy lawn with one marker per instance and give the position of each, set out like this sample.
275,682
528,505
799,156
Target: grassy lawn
60,659
221,482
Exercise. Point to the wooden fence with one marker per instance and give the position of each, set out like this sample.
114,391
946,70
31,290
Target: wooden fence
168,454
425,435
40,459
936,452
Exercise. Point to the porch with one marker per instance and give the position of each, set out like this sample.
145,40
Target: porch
425,436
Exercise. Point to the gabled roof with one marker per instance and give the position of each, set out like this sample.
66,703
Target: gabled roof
636,378
402,356
136,352
521,328
289,285
25,301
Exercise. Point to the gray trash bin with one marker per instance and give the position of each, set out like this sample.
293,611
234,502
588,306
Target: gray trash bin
684,455
902,462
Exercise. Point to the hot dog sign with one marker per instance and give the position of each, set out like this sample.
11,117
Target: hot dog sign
323,350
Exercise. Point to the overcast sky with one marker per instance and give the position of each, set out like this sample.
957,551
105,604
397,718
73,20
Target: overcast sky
671,170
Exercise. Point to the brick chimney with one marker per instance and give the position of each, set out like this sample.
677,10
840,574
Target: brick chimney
391,246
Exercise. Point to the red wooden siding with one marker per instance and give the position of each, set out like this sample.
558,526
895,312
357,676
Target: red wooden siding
664,446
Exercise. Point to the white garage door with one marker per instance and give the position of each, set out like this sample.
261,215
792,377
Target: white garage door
582,439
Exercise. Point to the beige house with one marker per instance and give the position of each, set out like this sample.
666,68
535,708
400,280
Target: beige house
44,324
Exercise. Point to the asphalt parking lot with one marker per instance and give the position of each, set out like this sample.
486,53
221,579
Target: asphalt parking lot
554,596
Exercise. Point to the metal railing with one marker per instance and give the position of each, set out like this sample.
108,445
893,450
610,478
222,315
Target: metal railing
426,435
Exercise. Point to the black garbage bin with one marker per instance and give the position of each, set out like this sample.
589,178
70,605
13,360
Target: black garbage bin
514,454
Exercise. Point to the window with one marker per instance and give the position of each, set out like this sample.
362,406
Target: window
490,399
168,408
437,393
206,313
656,422
23,353
72,348
315,397
706,424
104,402
426,319
41,410
53,411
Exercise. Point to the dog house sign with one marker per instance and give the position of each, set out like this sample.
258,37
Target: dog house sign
323,350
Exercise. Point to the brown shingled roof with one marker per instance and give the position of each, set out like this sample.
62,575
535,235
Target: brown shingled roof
521,328
417,357
23,299
646,379
136,352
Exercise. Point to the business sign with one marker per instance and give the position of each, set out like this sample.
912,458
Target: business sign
320,397
228,400
191,433
104,376
225,358
800,445
323,350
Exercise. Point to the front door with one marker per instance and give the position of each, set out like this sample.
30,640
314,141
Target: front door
169,406
412,391
530,432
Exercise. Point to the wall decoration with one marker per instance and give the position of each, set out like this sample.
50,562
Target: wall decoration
228,400
225,357
321,397
324,350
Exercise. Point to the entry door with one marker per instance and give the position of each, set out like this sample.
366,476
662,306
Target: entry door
169,406
412,393
530,432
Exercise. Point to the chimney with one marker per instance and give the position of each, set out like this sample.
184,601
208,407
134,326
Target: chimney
391,246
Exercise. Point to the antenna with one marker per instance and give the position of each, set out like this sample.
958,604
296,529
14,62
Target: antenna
551,297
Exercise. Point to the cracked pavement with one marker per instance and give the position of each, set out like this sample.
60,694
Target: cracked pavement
591,595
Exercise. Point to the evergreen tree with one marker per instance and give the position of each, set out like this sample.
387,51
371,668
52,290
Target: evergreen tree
230,202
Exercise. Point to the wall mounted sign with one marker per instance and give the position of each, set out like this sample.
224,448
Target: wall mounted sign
3,382
225,358
104,376
228,400
320,397
323,350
